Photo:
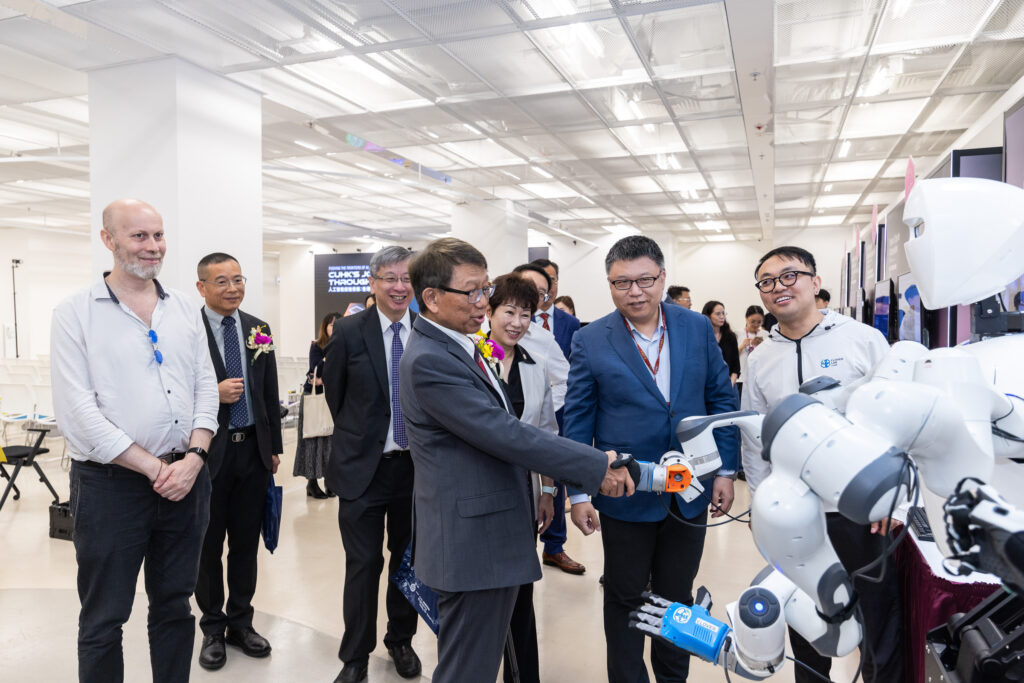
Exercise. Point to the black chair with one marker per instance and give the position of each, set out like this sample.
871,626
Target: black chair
20,456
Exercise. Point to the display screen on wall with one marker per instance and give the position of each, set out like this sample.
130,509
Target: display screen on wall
984,162
911,312
881,305
341,283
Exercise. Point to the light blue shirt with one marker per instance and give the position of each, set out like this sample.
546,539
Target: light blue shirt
649,345
389,337
218,336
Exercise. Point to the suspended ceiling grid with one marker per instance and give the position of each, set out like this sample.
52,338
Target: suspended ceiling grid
591,114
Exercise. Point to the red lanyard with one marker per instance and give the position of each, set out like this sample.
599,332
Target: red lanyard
661,344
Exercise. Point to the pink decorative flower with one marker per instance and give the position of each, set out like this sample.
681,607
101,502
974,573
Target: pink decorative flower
496,350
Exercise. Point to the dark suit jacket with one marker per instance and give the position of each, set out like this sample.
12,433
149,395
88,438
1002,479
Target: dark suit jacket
473,518
262,388
565,328
613,402
357,384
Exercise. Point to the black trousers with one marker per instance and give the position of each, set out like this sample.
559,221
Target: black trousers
668,554
119,522
522,630
236,511
386,503
880,604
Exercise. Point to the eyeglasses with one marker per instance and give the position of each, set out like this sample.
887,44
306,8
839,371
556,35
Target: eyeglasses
641,282
392,280
473,295
156,352
544,295
787,279
223,282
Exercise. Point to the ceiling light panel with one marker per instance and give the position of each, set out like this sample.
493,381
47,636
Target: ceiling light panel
685,42
717,133
509,63
957,111
882,118
909,24
811,125
434,69
988,64
797,85
812,31
362,83
592,54
705,94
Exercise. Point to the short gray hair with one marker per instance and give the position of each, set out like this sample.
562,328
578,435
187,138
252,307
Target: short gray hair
388,256
633,247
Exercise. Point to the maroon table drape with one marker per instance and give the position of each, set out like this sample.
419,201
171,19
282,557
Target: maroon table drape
929,601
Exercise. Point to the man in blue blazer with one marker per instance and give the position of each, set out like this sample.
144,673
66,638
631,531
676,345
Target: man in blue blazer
635,374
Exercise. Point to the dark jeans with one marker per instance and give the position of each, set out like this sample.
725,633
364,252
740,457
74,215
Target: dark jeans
880,604
237,501
119,522
668,554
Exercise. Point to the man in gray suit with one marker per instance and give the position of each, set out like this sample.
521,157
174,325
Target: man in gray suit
472,515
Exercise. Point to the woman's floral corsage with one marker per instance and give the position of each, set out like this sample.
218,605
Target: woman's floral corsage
261,343
491,352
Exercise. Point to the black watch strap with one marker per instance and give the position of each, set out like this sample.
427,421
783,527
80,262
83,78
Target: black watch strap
201,452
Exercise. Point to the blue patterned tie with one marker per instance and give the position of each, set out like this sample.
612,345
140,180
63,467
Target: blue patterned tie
396,406
233,366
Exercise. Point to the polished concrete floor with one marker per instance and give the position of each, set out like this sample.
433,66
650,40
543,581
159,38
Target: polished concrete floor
298,601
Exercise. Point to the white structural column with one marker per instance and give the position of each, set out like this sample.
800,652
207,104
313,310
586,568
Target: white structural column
188,142
497,228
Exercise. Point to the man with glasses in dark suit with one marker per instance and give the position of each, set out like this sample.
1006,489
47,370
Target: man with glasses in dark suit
243,454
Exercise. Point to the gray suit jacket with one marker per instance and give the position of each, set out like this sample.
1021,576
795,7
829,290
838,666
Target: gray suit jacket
473,522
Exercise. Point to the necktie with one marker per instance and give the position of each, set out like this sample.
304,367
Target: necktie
544,317
397,421
233,366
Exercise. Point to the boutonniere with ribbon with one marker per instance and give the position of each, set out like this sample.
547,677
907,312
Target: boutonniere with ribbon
259,342
491,352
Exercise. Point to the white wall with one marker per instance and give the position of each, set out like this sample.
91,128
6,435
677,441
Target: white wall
54,265
725,270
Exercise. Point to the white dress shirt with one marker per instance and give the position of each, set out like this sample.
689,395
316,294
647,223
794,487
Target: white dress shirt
470,347
217,326
389,337
108,389
550,313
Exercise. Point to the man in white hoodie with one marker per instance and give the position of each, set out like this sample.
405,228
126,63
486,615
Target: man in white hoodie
808,343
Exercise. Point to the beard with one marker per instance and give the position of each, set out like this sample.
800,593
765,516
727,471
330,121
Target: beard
134,268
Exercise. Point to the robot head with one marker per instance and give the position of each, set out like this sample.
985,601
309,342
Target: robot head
967,238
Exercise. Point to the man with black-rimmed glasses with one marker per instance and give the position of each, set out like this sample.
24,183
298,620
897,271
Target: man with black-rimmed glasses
136,397
806,343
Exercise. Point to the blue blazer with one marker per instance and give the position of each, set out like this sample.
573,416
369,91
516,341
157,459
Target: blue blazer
613,402
565,327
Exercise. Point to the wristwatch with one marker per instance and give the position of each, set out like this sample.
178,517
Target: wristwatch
549,489
201,452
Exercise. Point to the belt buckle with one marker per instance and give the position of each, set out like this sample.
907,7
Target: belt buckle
238,437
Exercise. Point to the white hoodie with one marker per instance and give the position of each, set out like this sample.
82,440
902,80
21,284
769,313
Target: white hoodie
839,347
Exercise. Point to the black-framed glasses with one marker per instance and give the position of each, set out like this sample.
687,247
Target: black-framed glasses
641,282
787,279
472,295
224,283
159,357
391,280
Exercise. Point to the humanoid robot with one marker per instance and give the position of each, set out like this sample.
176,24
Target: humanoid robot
941,418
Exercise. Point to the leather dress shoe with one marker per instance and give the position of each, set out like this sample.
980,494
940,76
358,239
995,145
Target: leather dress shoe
352,672
249,642
313,490
212,655
564,562
406,662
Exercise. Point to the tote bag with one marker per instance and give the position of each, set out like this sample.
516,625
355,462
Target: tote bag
316,415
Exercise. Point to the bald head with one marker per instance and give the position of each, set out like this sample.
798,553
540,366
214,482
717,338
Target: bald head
121,213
